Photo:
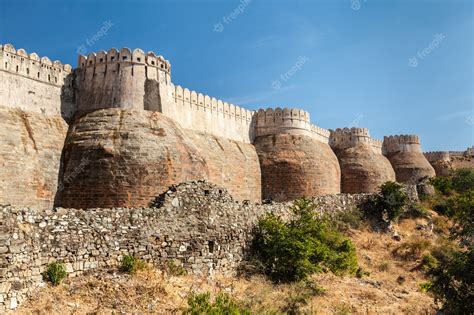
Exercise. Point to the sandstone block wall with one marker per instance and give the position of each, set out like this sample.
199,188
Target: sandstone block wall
117,157
287,121
363,167
121,79
405,155
295,166
198,224
35,84
30,154
203,113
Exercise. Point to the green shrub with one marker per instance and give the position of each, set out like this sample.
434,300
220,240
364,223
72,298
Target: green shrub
463,180
223,304
452,282
174,268
131,264
389,204
290,251
442,184
345,220
55,273
428,262
417,211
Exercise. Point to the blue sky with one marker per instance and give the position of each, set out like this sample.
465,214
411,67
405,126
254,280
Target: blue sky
347,62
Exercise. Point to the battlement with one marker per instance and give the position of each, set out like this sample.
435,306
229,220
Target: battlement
124,56
434,156
42,69
200,112
401,143
121,79
287,120
33,83
345,138
200,102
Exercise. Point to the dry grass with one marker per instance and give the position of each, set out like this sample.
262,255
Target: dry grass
392,287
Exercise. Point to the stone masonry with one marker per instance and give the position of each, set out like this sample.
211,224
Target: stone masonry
197,224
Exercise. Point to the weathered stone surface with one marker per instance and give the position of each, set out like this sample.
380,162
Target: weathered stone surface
362,170
408,162
410,167
196,224
123,158
30,151
295,166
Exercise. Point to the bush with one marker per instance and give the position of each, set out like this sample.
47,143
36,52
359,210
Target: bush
131,264
452,282
428,262
413,249
442,184
463,180
223,304
290,251
417,211
55,273
174,268
345,220
389,204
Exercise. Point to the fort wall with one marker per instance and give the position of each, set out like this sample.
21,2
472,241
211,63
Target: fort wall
121,79
35,84
195,111
401,143
407,159
437,156
345,138
287,121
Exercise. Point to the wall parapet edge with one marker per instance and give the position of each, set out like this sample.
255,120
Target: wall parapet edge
344,138
401,143
287,120
18,61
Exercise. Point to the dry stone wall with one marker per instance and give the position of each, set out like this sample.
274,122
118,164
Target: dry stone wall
197,224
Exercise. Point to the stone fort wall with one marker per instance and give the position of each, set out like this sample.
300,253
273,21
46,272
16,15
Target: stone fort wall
35,84
345,138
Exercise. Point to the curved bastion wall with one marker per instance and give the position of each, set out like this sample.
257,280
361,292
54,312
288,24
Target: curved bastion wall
124,158
363,167
295,158
405,155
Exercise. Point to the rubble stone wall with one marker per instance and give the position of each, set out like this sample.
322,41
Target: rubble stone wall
196,223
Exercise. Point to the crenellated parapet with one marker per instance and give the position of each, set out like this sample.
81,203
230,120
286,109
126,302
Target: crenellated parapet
344,138
401,143
36,84
122,78
434,156
32,66
289,121
195,101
